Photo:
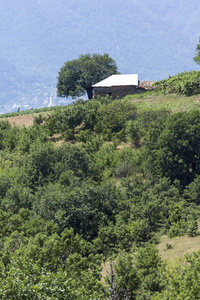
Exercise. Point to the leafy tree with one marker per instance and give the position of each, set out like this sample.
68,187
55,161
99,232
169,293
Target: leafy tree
17,197
91,113
197,55
27,279
113,118
85,208
38,165
136,129
182,280
65,120
138,277
74,158
78,75
173,147
10,138
192,191
122,237
5,184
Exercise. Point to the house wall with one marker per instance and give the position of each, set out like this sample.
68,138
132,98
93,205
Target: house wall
122,91
114,91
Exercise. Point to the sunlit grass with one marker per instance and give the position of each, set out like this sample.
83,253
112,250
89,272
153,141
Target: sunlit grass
180,247
158,100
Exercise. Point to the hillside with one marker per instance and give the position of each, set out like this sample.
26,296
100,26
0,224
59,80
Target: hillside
37,36
97,182
146,101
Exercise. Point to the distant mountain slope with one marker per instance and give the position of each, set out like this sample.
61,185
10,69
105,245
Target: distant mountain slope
151,38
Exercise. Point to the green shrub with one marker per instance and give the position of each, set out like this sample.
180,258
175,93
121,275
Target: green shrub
187,83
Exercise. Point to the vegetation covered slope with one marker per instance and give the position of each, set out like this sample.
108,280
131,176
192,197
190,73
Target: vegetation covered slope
121,175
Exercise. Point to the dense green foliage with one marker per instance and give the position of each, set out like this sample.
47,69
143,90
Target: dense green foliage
187,83
77,76
197,55
172,147
96,181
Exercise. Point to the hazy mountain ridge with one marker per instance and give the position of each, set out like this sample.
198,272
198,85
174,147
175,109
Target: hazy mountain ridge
37,36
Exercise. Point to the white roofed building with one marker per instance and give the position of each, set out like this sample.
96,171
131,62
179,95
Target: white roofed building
118,86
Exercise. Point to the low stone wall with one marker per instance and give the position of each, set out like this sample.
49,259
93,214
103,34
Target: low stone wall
145,84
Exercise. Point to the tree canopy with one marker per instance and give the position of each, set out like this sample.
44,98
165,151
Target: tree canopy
78,75
197,55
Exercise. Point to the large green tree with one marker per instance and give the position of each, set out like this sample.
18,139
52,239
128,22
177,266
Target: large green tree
78,75
197,54
172,147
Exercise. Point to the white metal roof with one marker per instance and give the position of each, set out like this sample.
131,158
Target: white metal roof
118,80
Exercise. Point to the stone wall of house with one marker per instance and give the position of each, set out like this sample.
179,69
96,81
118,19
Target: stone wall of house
114,91
122,91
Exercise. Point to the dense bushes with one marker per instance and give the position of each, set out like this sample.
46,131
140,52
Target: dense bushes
187,83
172,147
66,208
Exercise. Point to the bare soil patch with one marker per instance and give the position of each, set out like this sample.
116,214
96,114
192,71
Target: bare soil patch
24,120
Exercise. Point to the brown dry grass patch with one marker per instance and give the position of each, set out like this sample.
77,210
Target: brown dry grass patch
23,120
181,246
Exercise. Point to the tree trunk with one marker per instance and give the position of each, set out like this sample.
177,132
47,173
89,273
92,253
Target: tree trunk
90,92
